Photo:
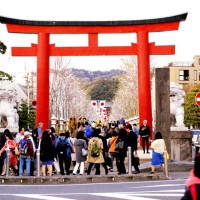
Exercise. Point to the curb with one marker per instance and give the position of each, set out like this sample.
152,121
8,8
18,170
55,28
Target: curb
27,180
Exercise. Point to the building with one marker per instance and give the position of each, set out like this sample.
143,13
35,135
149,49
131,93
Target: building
185,73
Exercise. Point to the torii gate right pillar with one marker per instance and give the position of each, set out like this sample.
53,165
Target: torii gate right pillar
144,81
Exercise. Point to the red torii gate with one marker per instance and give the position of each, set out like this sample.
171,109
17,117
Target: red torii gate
143,49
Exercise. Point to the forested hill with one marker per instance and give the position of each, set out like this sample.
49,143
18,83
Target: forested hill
91,75
100,85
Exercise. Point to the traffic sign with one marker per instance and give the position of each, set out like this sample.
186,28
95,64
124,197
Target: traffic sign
197,98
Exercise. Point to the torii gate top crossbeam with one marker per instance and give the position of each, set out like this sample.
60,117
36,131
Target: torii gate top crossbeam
81,27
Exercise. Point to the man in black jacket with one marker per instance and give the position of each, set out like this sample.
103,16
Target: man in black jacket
144,132
132,140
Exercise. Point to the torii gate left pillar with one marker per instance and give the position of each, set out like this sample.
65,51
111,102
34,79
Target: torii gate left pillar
43,79
143,49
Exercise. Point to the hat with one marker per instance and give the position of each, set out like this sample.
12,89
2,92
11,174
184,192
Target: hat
27,133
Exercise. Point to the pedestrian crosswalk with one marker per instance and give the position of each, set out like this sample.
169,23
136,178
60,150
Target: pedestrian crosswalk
144,195
147,190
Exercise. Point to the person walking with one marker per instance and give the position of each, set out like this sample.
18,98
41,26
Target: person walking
144,132
112,143
121,151
192,190
80,144
46,153
73,124
158,146
95,155
132,142
26,154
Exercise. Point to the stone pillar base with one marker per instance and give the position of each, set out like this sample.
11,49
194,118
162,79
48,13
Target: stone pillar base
181,145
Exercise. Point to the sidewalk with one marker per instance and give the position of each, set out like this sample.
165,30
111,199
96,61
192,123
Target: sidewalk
177,170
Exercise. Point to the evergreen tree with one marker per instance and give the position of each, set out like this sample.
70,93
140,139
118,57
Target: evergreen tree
26,120
4,74
192,110
104,89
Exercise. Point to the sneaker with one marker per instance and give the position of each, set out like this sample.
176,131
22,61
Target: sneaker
136,172
151,172
110,169
148,152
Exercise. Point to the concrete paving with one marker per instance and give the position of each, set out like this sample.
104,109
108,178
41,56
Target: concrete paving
177,170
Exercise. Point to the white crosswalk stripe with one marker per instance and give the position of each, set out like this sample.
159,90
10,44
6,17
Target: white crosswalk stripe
44,197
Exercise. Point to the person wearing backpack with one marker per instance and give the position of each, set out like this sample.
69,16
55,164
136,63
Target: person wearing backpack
26,154
95,155
80,144
63,146
121,153
192,191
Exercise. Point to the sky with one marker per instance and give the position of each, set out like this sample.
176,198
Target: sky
186,39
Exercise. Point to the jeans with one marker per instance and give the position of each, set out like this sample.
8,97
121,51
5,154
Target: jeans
113,157
24,159
145,140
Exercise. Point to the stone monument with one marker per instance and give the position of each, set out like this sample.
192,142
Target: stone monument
170,117
181,137
8,98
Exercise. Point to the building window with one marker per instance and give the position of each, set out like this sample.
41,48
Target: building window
195,75
183,75
199,75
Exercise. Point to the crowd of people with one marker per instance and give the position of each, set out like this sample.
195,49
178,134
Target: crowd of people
86,146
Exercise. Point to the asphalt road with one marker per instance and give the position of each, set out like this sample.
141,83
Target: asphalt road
144,190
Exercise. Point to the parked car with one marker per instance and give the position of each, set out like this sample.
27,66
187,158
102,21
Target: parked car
195,132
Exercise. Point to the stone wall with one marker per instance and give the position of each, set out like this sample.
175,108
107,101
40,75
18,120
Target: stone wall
181,145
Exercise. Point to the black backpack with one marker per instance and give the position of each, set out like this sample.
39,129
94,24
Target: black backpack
61,146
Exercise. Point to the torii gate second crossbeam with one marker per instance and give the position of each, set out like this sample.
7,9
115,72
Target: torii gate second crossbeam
143,49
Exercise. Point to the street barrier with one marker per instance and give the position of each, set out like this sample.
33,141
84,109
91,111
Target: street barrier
166,164
129,161
38,162
7,161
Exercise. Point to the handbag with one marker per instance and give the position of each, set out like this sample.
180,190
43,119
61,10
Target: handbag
135,160
84,152
119,145
73,149
56,165
166,155
16,151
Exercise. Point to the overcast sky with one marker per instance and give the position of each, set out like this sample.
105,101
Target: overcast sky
186,39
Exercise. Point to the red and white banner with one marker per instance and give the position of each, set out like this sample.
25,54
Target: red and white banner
102,104
94,104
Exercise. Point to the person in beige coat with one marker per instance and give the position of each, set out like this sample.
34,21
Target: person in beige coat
95,160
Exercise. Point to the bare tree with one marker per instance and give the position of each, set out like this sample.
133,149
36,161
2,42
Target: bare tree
125,103
67,96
